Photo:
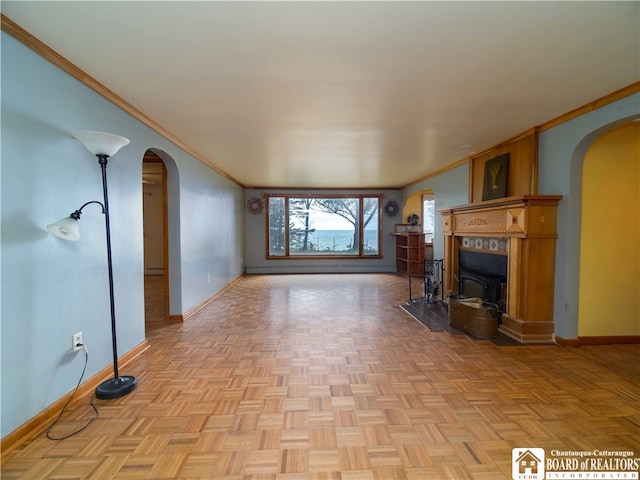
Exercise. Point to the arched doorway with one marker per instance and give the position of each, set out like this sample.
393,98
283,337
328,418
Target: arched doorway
156,240
423,204
609,236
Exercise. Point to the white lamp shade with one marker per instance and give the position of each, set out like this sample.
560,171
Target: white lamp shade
67,229
100,143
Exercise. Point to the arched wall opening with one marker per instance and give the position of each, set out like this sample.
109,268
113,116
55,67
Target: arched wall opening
609,280
154,223
413,204
161,198
572,140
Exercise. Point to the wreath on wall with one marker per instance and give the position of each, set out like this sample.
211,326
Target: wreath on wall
391,208
255,206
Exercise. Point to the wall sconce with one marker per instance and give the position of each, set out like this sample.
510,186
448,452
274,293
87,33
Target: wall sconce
103,146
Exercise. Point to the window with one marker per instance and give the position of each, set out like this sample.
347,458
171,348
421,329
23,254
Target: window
327,226
428,217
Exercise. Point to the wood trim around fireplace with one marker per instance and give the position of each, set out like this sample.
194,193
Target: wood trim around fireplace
529,224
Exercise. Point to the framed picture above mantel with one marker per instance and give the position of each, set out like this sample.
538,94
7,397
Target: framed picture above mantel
520,176
495,177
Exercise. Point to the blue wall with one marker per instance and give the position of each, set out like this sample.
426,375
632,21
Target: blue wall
52,288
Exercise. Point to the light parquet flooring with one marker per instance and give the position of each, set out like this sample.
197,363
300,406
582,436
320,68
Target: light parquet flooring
325,377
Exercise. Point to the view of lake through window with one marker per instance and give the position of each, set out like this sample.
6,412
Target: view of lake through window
341,240
324,226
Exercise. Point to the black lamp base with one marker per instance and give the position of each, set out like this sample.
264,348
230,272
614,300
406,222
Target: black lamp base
116,387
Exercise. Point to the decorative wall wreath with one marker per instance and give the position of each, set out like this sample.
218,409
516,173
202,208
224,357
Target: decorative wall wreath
413,219
391,208
255,206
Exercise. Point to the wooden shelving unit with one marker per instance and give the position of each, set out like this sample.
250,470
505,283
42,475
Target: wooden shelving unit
409,249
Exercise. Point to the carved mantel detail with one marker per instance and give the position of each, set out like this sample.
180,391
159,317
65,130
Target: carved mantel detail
478,221
529,222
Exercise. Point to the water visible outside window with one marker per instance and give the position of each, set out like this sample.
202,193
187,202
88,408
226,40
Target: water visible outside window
324,226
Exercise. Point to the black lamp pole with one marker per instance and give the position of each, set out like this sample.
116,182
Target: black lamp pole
117,386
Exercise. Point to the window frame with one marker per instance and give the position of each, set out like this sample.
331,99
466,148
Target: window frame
428,233
287,254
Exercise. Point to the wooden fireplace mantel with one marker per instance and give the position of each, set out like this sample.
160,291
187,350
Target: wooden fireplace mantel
529,224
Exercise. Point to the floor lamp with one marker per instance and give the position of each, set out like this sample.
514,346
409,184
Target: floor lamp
103,146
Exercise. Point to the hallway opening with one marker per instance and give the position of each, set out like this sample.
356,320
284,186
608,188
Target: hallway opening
156,269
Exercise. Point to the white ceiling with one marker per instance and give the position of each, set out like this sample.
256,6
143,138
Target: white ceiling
344,94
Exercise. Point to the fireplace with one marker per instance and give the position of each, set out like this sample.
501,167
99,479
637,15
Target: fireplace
522,278
483,275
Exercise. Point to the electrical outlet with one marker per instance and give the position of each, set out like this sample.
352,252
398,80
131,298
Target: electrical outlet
75,340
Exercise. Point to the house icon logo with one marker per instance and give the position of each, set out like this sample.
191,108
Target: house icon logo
527,463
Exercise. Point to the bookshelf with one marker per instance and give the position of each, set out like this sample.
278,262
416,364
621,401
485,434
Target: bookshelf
409,249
